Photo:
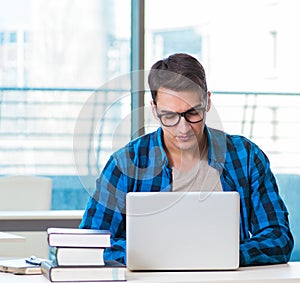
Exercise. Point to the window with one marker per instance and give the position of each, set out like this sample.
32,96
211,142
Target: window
250,65
12,37
65,101
58,62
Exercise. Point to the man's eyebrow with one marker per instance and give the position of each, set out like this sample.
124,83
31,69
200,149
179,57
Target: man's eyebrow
201,105
162,111
166,111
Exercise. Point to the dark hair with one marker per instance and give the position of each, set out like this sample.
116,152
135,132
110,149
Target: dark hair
178,72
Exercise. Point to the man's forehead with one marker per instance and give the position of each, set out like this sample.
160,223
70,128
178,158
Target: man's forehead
190,97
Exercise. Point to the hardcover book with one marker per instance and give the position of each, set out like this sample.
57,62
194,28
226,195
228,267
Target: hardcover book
73,237
19,266
78,256
111,271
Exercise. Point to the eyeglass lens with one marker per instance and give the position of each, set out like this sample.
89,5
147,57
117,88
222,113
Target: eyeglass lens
173,118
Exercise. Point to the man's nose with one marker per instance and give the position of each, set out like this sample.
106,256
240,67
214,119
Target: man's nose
183,124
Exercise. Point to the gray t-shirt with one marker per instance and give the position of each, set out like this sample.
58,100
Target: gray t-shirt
201,177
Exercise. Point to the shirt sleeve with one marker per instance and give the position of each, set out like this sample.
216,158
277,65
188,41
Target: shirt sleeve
106,210
270,238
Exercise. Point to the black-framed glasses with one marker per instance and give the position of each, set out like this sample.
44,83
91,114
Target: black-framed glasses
171,119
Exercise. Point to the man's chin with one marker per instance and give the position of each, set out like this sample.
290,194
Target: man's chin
187,144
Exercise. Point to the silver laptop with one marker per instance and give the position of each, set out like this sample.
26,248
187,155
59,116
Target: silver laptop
182,231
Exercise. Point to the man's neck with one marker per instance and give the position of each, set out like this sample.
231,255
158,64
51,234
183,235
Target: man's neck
185,160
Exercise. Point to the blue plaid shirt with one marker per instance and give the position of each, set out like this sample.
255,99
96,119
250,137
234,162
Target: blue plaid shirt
142,165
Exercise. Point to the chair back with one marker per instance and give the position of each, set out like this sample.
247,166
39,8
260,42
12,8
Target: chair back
289,188
25,193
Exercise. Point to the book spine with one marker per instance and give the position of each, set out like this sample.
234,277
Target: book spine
46,270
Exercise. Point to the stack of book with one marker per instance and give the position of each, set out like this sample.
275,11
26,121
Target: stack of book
78,255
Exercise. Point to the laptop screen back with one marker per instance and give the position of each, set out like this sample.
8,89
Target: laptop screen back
182,231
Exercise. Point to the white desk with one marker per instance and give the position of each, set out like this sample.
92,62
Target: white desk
10,238
39,220
271,274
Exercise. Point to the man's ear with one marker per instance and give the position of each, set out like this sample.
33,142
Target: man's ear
153,106
208,101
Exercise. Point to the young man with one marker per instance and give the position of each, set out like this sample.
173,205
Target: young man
186,155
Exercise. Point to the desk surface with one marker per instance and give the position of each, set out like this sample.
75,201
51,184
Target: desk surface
41,214
272,274
7,237
39,220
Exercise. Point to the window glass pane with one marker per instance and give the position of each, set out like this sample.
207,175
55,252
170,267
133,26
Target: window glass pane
61,104
250,52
